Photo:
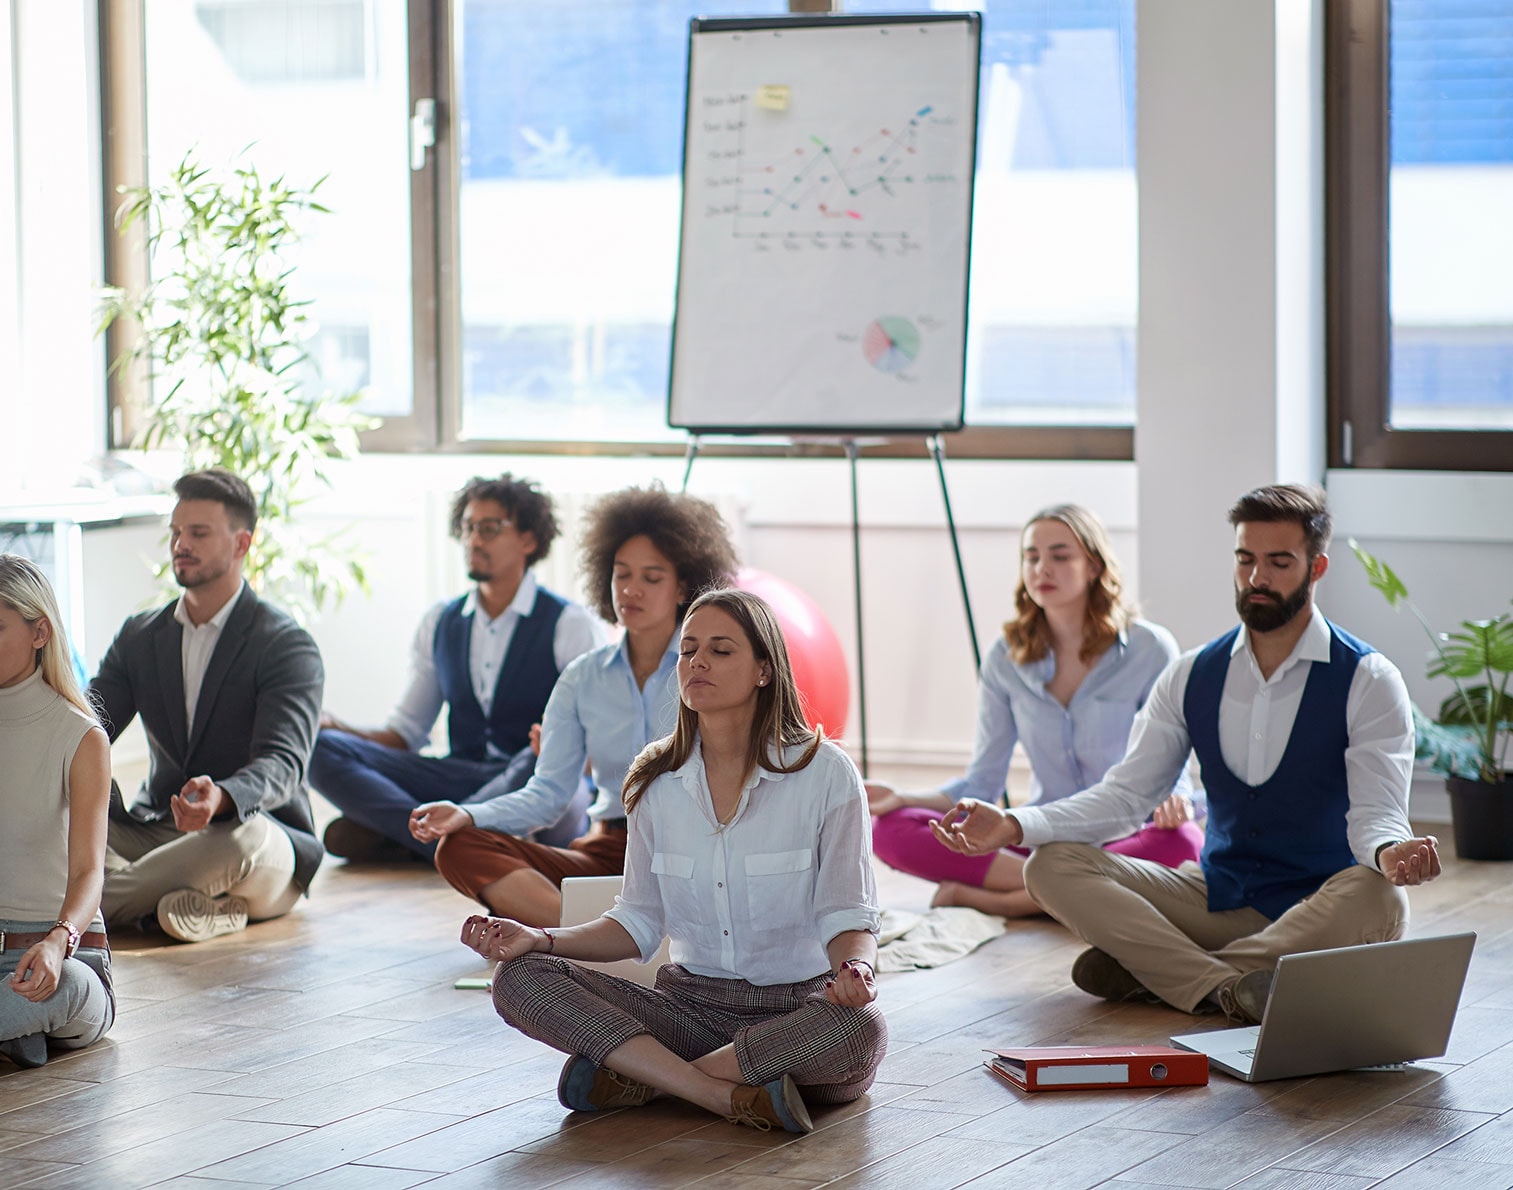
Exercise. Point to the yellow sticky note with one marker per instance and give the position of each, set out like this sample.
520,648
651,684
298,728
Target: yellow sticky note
773,97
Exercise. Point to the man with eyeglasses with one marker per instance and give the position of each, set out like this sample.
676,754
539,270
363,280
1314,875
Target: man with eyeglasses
492,656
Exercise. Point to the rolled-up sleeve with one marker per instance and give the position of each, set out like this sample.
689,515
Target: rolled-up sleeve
845,890
638,908
564,750
415,715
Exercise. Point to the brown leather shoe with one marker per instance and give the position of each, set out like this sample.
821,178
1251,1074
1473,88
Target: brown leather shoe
1243,999
1100,974
584,1086
775,1105
358,844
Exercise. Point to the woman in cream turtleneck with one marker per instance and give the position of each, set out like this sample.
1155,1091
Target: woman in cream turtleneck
54,797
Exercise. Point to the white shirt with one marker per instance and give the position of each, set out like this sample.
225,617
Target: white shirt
577,632
760,897
196,643
1256,716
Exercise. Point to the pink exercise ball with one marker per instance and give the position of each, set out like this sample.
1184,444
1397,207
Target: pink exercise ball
814,651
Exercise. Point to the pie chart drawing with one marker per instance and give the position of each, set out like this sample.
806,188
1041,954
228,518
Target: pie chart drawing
890,343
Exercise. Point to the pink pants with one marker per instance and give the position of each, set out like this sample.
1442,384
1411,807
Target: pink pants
902,840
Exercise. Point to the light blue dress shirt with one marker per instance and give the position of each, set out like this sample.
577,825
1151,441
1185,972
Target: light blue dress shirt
596,713
1069,747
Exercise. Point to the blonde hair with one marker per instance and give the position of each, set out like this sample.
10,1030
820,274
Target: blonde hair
779,719
25,590
1029,635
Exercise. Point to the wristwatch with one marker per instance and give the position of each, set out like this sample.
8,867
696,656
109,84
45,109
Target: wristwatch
73,936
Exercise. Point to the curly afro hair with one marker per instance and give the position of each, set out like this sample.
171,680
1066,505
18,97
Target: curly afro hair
690,532
529,507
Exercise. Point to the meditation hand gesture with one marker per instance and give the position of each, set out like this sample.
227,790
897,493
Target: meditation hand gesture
853,986
36,975
1413,861
976,828
499,938
437,820
1173,812
196,804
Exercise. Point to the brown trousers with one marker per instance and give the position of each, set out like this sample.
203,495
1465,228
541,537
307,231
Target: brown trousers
473,858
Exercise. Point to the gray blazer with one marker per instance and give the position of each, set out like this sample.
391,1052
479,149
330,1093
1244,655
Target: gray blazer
254,723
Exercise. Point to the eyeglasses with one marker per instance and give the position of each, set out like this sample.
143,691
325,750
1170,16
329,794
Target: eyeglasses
488,528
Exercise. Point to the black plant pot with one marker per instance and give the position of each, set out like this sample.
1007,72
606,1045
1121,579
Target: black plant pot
1481,814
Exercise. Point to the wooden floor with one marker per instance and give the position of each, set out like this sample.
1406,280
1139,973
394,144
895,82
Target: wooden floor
331,1050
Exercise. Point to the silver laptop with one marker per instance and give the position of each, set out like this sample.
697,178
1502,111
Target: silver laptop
1377,1005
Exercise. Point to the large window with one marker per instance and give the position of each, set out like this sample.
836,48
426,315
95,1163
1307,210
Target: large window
1421,242
505,179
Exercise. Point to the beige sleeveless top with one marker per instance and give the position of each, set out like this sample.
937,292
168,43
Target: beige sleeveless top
40,731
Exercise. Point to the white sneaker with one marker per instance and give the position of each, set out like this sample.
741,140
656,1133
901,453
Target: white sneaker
192,916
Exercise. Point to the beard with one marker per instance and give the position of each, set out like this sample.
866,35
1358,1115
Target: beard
475,575
1275,610
196,575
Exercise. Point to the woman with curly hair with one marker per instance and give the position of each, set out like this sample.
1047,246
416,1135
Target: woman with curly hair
1066,680
646,554
748,849
54,794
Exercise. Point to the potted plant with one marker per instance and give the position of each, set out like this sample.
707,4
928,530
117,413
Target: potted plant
1468,740
224,338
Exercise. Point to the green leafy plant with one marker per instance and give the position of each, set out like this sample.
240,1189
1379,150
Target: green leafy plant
224,340
1481,649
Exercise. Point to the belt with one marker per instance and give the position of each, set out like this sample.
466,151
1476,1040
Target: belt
95,940
617,825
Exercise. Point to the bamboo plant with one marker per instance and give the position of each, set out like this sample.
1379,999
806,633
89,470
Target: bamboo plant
223,336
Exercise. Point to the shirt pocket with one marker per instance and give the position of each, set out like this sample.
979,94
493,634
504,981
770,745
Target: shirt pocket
779,888
675,883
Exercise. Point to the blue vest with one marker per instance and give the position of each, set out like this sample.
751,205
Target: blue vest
525,679
1270,845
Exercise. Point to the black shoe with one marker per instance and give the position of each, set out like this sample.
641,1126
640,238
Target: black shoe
1098,974
1243,999
358,844
27,1052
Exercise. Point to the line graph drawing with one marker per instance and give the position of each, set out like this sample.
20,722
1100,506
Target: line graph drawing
846,188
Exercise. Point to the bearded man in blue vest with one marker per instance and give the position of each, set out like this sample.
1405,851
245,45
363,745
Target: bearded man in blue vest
1305,738
492,657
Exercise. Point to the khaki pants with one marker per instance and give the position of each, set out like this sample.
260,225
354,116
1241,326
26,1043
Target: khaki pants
143,860
1155,920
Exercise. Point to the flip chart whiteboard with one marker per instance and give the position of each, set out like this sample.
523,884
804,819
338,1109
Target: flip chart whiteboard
826,224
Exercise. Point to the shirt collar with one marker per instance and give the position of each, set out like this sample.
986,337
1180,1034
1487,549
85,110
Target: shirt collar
1313,645
620,654
522,605
691,773
1042,671
217,621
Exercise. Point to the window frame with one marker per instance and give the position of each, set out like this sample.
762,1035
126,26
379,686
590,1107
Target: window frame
435,422
1358,159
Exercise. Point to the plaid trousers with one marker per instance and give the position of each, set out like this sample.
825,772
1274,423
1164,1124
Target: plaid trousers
790,1028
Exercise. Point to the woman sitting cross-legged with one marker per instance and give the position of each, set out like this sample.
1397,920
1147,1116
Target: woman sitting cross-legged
54,798
749,851
1066,680
646,553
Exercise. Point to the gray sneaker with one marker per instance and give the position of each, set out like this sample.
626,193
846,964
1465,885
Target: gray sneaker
192,916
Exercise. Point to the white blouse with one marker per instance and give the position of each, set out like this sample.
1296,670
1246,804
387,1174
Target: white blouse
760,897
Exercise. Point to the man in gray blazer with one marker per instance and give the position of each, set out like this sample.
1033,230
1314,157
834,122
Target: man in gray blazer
229,691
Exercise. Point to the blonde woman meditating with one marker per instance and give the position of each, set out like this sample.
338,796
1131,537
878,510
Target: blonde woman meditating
54,796
1065,679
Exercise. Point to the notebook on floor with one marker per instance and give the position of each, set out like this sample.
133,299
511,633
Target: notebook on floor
1377,1005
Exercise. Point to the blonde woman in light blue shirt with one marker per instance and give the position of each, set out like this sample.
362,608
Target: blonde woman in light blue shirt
1066,680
